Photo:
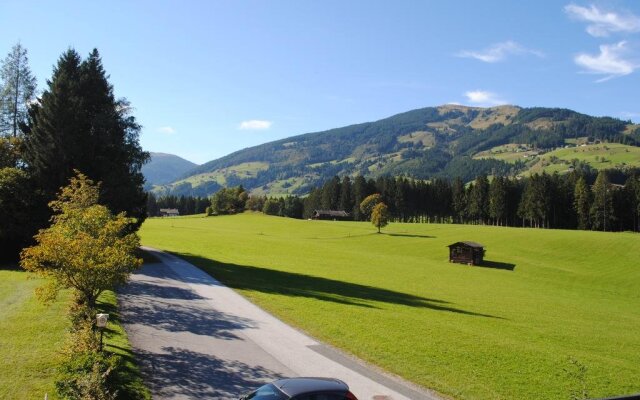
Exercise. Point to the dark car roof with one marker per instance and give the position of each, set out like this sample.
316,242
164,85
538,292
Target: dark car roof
294,386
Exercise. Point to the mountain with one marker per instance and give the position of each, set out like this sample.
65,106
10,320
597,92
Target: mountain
165,168
445,141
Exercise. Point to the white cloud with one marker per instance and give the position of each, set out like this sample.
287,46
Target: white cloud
255,124
601,23
484,98
499,52
167,130
609,62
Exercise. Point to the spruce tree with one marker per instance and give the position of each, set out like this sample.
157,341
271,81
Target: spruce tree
17,90
80,125
498,200
458,199
602,215
582,203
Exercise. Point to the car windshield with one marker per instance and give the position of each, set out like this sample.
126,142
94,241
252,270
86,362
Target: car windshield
266,392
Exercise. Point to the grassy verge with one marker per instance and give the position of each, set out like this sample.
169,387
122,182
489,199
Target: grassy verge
512,329
31,335
116,341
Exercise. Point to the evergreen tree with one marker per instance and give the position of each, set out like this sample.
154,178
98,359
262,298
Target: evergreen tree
79,124
17,90
582,203
498,200
359,193
459,201
346,202
331,194
602,215
478,204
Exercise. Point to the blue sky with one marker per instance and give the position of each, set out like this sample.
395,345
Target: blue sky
210,77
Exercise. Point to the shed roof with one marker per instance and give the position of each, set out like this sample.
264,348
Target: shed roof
468,243
333,213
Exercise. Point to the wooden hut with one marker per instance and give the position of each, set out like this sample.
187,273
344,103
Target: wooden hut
169,212
470,253
331,215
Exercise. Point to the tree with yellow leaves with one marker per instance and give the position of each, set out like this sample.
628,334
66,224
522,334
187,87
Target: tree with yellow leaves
86,248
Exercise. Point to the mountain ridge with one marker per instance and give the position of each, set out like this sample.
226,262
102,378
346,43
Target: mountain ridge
423,143
164,168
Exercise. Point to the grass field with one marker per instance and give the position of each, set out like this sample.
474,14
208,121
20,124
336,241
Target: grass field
598,156
505,331
31,335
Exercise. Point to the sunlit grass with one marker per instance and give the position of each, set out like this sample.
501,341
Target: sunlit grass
394,299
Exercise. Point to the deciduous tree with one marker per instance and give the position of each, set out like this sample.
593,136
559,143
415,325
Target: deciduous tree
367,205
380,216
86,248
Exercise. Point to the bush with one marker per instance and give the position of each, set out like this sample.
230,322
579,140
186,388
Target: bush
85,373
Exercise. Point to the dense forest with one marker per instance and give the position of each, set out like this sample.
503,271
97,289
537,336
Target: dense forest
606,200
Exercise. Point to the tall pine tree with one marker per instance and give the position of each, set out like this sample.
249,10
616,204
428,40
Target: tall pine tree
582,203
602,216
79,124
17,90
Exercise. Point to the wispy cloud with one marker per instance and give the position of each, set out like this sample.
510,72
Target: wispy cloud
609,62
499,52
255,124
484,98
603,23
167,130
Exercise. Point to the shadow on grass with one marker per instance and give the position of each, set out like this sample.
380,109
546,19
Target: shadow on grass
497,265
174,372
409,235
298,285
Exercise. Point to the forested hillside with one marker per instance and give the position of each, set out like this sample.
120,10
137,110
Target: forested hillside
165,168
434,142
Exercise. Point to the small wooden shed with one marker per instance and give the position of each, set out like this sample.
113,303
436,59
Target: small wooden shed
169,212
336,215
470,253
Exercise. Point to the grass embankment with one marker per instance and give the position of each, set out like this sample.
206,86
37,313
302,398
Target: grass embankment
32,334
507,331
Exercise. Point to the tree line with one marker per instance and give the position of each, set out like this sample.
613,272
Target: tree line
577,200
186,205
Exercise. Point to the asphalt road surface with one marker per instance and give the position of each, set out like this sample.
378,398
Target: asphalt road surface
194,338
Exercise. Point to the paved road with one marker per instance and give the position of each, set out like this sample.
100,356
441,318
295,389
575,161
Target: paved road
197,339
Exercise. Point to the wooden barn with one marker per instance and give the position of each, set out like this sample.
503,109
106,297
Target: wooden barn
331,215
169,212
470,253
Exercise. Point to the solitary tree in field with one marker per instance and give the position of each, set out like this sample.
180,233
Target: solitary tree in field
380,216
86,248
368,204
17,90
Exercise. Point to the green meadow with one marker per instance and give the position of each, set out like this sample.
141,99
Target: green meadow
32,336
546,303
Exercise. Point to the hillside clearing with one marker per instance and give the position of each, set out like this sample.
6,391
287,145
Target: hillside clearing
507,331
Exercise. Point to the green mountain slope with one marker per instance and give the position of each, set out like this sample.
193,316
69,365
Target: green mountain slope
165,168
424,143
